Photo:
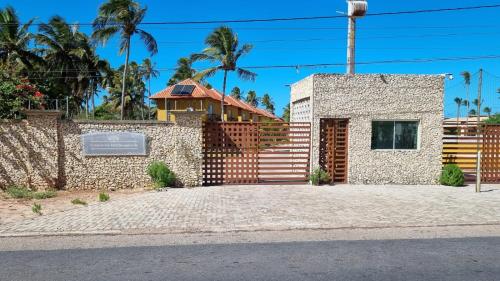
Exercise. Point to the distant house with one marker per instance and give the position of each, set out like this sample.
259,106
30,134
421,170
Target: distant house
373,128
190,95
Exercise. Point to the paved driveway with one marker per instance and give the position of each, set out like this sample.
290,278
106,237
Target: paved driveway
233,208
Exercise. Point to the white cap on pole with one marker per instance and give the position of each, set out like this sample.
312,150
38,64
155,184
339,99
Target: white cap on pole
356,9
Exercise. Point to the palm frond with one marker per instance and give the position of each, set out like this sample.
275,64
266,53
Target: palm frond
210,72
149,41
246,74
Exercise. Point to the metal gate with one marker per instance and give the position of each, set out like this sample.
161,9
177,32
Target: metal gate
490,160
256,153
333,148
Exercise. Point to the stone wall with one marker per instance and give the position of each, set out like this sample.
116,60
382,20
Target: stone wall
45,151
364,98
29,152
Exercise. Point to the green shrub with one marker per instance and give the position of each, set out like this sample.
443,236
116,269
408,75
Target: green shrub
161,174
103,197
23,192
452,176
78,201
319,176
36,208
19,192
44,194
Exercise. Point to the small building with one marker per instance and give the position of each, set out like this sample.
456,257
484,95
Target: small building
190,95
373,128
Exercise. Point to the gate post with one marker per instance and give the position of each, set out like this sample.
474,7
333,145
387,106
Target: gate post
478,172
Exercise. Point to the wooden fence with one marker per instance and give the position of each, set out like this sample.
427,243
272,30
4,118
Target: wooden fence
460,146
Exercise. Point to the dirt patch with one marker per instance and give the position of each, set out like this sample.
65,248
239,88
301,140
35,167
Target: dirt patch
13,210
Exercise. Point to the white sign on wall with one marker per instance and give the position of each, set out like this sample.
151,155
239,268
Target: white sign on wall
114,144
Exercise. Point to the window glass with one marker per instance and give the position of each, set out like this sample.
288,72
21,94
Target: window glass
406,135
394,134
382,134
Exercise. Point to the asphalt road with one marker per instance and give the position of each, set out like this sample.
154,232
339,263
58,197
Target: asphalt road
424,259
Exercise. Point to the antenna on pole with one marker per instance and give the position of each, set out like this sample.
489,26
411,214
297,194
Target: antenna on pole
355,9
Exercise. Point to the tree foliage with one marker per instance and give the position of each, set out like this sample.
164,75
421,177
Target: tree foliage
223,50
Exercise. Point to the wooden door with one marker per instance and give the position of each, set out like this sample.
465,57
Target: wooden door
334,148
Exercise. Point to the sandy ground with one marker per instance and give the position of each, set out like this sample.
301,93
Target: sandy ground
14,210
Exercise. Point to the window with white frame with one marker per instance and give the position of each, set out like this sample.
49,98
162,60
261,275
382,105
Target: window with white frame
395,135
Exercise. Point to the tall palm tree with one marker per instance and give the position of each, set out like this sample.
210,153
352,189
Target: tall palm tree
458,101
149,71
183,71
124,17
466,76
236,93
223,49
252,98
487,110
15,39
268,103
64,48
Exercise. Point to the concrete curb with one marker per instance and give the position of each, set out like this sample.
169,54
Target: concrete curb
184,231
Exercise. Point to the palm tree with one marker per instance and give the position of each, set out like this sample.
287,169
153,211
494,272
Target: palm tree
472,112
15,39
466,76
466,103
222,48
64,50
124,17
236,93
286,113
268,103
183,71
475,102
149,71
252,98
135,93
487,110
458,101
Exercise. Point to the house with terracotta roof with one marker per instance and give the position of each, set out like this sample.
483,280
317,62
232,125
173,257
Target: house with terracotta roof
190,95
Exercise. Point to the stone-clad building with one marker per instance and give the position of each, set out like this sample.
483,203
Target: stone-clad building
374,128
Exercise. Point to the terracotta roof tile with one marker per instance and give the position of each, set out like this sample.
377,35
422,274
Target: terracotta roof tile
201,91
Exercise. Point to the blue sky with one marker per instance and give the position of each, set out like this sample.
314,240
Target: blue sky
451,34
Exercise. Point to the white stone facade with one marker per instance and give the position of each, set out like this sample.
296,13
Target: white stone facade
46,152
373,97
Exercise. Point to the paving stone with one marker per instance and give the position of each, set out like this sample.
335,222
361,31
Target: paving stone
232,208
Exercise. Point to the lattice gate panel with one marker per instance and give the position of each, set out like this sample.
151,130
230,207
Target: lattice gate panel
255,153
490,160
334,148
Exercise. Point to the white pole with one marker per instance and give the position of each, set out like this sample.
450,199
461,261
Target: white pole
351,46
478,172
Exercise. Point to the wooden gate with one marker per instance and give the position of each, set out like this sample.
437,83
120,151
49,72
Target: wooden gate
490,160
333,148
255,153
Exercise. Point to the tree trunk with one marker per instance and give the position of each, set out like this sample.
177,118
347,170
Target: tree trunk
458,122
149,99
468,107
93,102
124,84
87,94
223,95
142,106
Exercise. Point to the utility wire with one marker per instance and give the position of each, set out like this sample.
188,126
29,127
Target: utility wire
284,19
321,65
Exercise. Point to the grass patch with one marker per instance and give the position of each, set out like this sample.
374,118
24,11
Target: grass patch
37,209
78,201
103,197
22,192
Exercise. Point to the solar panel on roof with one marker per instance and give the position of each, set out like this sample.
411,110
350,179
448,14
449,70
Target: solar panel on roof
182,90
